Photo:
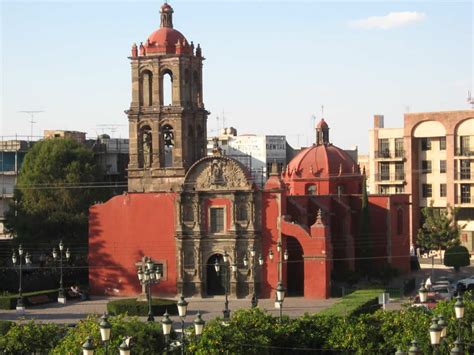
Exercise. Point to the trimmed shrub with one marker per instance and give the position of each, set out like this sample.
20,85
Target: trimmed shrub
457,257
5,325
132,307
9,302
358,302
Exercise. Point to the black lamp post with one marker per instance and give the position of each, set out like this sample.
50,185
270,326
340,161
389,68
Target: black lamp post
435,334
61,296
423,293
182,310
198,324
105,329
400,352
458,348
19,304
148,275
166,324
124,348
217,266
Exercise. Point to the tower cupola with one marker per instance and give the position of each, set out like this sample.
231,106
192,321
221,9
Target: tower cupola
322,132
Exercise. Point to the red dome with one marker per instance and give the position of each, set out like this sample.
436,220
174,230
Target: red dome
167,35
320,161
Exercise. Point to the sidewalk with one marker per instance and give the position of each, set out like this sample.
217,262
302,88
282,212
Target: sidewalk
210,308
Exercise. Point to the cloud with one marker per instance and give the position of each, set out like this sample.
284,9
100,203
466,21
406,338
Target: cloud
392,20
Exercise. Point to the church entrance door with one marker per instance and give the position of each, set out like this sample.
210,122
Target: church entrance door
294,267
215,281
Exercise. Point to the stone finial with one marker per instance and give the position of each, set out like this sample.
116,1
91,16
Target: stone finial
340,169
198,51
142,49
166,17
216,150
319,217
192,47
134,50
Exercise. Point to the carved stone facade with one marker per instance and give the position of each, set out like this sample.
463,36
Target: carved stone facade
216,182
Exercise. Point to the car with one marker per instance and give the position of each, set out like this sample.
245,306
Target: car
466,284
446,282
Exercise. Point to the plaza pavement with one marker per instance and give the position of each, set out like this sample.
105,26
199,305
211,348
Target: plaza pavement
210,308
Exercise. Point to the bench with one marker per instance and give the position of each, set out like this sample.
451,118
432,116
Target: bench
38,299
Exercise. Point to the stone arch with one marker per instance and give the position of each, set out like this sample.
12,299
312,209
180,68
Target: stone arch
167,144
464,137
215,282
166,84
146,87
145,150
429,128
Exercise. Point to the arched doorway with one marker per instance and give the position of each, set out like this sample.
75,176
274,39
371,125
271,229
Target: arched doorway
214,280
294,267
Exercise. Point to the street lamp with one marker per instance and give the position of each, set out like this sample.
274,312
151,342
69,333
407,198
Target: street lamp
198,324
105,328
459,311
88,347
254,263
423,293
124,348
280,295
61,296
149,274
435,334
166,324
414,349
182,310
19,304
217,266
458,348
443,325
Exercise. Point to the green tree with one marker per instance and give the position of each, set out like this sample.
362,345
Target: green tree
54,192
440,229
457,256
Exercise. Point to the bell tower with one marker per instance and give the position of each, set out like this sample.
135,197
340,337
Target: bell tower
167,118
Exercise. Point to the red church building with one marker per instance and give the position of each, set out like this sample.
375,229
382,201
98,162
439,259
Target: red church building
186,210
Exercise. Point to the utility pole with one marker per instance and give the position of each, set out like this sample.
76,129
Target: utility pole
32,121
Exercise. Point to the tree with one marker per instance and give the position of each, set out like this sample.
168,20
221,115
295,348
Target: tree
54,192
457,256
440,229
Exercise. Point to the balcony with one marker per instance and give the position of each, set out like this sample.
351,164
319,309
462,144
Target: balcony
465,152
397,178
463,175
390,154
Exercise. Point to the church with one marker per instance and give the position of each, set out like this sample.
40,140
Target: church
186,210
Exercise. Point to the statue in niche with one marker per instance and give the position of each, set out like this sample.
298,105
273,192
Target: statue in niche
147,149
217,172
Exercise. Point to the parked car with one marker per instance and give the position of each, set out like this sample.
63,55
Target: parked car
465,285
444,281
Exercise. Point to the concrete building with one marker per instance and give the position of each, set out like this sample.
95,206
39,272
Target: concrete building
79,137
256,152
431,158
112,157
12,153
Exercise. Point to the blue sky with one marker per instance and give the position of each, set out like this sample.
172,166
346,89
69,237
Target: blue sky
269,65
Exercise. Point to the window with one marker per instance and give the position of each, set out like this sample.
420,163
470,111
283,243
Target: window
442,143
384,148
442,190
399,189
384,190
167,87
242,212
217,220
425,144
426,190
442,166
146,88
399,171
168,145
465,193
465,145
426,166
399,152
384,171
311,190
465,169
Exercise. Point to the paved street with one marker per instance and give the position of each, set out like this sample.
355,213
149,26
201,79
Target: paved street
74,311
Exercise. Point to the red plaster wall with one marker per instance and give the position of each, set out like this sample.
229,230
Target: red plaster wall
124,229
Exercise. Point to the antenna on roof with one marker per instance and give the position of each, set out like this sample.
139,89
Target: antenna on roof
32,121
470,99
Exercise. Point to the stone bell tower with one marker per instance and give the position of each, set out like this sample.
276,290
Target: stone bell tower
167,118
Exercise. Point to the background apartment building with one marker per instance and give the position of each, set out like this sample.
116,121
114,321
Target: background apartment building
256,152
429,158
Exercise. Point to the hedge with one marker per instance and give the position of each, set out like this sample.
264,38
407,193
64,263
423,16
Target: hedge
9,302
132,307
358,302
5,325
